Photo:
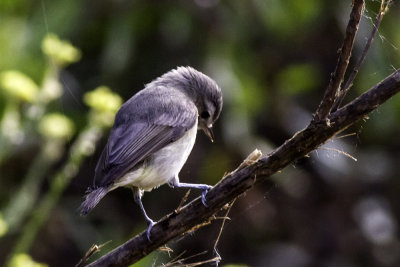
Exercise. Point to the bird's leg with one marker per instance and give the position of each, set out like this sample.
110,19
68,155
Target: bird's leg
175,183
137,193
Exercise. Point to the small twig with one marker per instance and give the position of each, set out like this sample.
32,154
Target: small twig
345,135
200,225
343,91
220,232
92,250
166,249
174,259
181,261
339,151
183,200
337,77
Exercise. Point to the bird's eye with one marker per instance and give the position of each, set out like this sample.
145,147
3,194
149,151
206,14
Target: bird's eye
205,115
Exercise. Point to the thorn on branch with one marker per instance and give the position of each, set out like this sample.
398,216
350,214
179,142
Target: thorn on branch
251,159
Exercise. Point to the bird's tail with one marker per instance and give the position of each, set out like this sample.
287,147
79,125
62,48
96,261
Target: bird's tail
92,198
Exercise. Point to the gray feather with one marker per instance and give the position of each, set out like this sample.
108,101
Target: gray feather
92,199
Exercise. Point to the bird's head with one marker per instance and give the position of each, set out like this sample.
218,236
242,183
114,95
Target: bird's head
208,114
207,97
202,90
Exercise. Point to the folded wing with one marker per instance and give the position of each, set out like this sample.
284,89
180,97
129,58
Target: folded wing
131,142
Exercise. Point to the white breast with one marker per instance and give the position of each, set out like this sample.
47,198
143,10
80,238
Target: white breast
164,165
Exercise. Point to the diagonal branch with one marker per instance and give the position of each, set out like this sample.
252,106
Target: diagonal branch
331,92
316,134
250,173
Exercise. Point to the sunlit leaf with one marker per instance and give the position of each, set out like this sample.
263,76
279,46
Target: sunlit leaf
62,52
3,226
24,260
104,103
18,85
56,126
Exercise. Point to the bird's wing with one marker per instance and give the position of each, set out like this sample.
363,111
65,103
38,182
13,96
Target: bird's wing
131,142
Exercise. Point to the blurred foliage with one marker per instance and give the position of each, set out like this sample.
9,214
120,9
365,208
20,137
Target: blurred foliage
56,126
18,85
55,129
3,226
284,18
62,52
272,60
297,79
104,104
24,260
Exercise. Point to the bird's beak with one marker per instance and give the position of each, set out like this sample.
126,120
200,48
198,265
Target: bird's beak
208,131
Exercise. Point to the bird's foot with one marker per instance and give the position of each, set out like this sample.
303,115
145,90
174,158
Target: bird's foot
150,224
204,193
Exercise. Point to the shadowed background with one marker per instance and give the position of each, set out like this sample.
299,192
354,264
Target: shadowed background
272,60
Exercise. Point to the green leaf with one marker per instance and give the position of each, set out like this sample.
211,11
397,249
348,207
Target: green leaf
56,126
24,260
19,85
104,103
62,52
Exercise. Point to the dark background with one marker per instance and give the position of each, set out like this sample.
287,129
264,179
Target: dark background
272,60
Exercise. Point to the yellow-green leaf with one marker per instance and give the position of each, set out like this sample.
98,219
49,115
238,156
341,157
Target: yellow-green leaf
18,85
57,126
24,260
61,51
3,226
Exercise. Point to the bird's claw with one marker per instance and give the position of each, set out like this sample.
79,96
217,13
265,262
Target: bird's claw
150,224
203,195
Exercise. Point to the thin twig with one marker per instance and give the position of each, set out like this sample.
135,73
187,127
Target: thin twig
181,261
345,135
176,258
340,152
166,249
183,200
220,232
337,77
92,250
343,91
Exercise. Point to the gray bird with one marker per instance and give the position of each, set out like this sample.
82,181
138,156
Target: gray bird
153,135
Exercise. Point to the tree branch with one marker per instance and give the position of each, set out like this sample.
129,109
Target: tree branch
242,179
343,91
331,92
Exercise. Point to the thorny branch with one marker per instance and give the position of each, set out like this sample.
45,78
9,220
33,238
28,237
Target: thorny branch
256,169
